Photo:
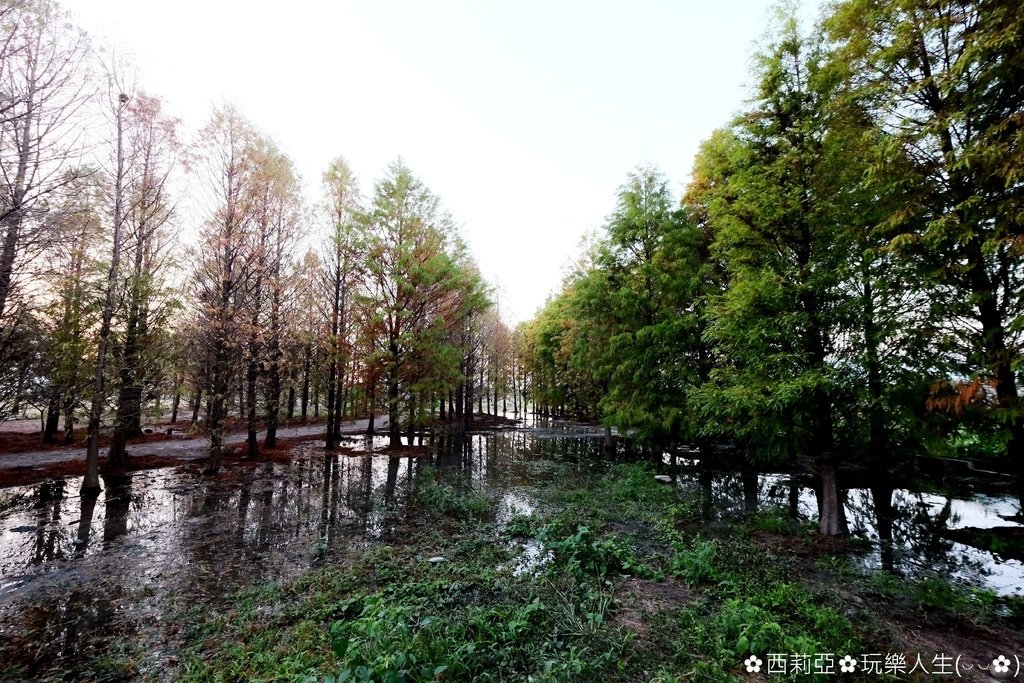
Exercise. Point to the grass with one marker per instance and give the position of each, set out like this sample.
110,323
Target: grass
626,591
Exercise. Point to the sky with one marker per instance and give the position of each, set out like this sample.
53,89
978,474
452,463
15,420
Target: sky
524,117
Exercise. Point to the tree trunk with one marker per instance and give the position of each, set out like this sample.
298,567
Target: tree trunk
748,476
394,427
91,481
339,404
251,375
69,418
371,401
331,386
52,418
1000,364
307,361
468,414
832,514
16,209
217,401
411,426
197,404
176,401
881,494
127,422
273,395
483,391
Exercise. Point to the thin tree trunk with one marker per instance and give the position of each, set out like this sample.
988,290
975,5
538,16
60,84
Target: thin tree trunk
306,363
372,407
176,401
251,377
483,390
16,209
394,427
197,404
91,482
52,417
69,418
273,392
411,427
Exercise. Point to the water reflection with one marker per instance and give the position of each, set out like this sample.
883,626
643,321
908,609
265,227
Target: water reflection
71,567
908,529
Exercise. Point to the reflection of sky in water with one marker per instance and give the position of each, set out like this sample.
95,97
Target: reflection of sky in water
165,532
982,512
917,517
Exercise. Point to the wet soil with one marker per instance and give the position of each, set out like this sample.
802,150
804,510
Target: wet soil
101,588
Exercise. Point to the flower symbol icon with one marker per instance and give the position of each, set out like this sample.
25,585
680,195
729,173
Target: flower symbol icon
847,664
753,664
1000,665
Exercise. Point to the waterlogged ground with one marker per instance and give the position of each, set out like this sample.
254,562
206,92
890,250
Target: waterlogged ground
124,586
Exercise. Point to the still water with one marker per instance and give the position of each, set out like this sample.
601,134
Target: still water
168,539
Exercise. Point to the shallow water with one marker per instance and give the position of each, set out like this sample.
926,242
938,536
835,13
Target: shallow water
916,546
75,573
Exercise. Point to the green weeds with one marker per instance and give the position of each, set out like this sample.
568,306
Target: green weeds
383,613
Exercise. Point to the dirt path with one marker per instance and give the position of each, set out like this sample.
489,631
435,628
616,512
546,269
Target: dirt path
185,448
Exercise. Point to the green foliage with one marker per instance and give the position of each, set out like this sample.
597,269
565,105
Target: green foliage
624,338
442,497
845,261
694,561
701,601
584,554
420,290
971,442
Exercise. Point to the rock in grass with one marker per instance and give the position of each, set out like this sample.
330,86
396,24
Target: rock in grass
663,477
437,560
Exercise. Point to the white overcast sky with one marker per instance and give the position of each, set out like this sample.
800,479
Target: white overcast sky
523,116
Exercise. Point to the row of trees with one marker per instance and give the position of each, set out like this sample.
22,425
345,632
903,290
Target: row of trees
841,283
271,305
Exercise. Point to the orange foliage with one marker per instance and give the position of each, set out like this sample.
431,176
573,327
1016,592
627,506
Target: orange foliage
946,397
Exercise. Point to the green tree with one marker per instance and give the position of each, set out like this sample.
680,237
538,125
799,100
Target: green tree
785,258
411,275
944,81
653,281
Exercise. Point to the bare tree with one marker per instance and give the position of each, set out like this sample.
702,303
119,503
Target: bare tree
274,205
286,230
152,147
341,258
224,152
41,92
91,482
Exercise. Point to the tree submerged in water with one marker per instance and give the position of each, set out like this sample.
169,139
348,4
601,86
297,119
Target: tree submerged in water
846,245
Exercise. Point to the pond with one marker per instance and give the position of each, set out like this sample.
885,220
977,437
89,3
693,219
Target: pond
75,574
